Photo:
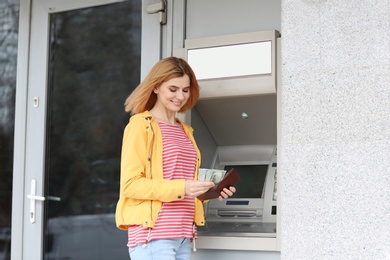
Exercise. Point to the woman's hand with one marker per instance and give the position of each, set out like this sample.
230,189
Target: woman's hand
195,188
226,193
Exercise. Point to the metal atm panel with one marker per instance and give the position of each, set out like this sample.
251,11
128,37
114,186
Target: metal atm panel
251,212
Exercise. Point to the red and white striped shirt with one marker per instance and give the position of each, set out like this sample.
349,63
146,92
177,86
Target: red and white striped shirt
175,219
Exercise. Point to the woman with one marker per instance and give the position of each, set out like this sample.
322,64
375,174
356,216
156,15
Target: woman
158,203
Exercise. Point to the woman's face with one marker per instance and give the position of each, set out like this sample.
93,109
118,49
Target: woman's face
173,94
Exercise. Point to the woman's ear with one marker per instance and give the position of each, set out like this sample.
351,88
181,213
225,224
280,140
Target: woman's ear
155,90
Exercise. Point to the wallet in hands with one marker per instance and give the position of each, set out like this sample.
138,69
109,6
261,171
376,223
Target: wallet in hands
230,179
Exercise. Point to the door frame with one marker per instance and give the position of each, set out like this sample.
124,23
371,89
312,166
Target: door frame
30,120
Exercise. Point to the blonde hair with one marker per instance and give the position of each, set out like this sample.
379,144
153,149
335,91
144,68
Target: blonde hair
143,97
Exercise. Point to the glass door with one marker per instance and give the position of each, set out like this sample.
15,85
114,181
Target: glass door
84,60
94,62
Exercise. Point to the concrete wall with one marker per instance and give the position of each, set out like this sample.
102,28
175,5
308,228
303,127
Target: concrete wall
335,135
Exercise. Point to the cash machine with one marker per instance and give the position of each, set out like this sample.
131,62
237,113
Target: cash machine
235,126
251,211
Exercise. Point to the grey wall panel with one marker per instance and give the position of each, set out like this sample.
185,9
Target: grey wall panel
219,17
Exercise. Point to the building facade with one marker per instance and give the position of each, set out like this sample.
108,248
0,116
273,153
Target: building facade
333,114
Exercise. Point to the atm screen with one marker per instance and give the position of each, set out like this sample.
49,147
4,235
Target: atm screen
252,180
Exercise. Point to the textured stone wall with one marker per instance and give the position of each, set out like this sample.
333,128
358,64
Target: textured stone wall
9,16
335,136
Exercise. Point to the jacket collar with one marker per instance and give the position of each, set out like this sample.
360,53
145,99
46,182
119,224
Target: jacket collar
146,114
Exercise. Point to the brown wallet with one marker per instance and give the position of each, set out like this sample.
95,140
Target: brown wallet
230,179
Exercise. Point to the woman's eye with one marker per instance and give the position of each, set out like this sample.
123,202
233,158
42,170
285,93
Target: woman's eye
184,90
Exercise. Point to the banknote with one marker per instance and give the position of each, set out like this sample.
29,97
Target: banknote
213,175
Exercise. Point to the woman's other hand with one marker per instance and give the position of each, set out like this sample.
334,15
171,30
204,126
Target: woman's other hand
226,193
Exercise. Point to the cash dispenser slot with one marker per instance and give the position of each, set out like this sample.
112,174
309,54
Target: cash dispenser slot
237,213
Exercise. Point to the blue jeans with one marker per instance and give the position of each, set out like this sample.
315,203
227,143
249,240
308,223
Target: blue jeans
164,249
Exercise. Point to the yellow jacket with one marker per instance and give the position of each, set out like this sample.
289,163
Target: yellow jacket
143,188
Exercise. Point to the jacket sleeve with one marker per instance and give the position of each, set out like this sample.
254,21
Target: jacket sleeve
139,182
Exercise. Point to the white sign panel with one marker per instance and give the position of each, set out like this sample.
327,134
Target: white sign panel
231,61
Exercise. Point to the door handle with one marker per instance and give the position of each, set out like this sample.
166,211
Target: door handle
33,197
